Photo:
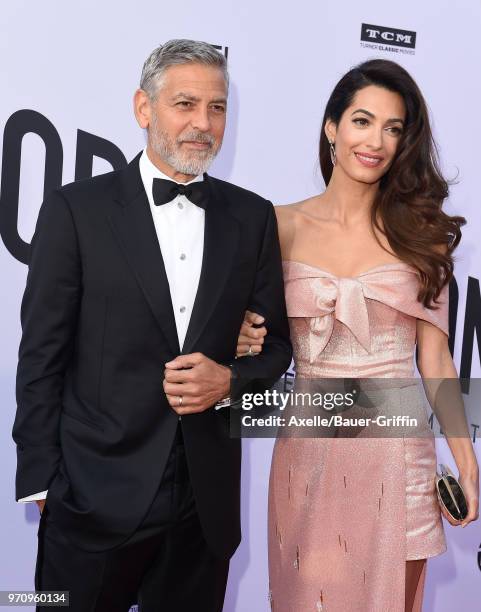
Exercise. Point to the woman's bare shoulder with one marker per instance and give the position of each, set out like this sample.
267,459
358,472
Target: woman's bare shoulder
286,213
289,216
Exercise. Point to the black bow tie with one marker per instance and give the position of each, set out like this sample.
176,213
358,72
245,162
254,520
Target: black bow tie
165,191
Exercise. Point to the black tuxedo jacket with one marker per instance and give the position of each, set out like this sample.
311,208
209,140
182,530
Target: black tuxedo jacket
93,424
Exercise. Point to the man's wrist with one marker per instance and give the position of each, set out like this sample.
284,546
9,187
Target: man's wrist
226,396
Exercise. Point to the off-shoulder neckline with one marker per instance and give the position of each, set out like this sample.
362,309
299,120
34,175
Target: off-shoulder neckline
368,271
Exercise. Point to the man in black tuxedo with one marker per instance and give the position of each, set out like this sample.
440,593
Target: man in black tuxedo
137,287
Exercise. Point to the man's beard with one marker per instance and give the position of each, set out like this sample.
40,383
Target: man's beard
185,162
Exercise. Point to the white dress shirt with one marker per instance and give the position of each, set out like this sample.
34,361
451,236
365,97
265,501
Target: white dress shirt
180,230
179,226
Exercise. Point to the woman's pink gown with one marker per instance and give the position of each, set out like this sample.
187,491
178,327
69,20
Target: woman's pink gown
345,514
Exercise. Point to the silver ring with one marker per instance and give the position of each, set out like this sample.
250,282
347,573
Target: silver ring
181,399
249,352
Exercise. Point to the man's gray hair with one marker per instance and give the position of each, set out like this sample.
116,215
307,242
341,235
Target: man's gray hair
178,51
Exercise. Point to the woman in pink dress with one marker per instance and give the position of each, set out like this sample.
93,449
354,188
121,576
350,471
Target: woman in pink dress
367,264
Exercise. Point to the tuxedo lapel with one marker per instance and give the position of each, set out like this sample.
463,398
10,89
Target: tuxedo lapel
134,229
221,236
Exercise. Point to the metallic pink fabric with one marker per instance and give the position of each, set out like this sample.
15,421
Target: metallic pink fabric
345,514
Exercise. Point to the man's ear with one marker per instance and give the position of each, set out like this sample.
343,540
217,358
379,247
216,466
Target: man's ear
142,108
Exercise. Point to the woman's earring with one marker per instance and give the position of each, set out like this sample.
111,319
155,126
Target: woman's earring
333,153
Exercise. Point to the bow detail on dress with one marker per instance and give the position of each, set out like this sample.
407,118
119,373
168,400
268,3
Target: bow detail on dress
320,296
341,299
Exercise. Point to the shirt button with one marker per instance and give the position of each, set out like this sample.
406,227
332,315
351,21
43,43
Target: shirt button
182,309
183,256
180,205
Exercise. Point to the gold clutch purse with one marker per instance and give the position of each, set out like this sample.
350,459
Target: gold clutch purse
450,495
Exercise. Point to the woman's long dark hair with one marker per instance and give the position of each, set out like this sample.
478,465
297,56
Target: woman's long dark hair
411,194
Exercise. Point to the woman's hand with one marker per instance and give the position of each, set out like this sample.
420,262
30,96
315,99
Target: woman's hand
437,369
251,338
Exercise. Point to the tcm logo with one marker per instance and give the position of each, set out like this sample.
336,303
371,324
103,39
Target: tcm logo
224,50
388,36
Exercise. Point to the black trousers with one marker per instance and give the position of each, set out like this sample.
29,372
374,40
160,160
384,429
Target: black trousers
165,566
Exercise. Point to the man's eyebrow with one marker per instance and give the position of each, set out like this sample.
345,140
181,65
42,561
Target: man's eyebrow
369,114
191,98
185,96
